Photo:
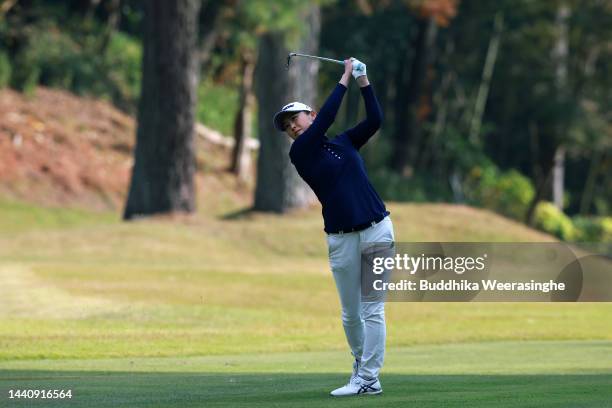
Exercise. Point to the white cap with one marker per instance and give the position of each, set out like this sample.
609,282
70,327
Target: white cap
290,107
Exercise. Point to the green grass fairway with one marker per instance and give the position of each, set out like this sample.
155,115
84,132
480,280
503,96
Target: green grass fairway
500,374
242,311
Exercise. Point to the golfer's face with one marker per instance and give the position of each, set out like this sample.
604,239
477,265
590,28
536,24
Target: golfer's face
297,123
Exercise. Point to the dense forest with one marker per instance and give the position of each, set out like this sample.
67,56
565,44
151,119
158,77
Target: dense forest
504,105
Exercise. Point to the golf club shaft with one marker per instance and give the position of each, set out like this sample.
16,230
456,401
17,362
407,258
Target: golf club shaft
295,54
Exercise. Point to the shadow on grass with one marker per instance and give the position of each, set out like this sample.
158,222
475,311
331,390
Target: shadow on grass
151,389
238,214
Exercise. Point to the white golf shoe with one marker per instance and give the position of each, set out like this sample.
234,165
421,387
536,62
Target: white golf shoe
358,386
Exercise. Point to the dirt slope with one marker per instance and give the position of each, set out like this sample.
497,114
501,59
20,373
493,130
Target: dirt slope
60,149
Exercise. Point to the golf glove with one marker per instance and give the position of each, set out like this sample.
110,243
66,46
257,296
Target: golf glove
359,68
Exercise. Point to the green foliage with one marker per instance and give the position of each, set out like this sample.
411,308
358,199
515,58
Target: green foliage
272,15
606,224
508,193
523,120
123,61
418,188
79,62
54,44
602,204
217,106
550,219
593,229
25,73
5,70
56,55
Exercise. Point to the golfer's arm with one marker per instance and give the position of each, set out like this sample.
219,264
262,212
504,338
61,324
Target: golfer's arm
362,81
327,114
361,133
314,136
344,80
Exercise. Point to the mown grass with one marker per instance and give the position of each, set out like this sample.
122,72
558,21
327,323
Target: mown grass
18,217
503,374
242,311
85,285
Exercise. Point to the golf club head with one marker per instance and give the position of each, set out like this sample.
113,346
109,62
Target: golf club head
291,54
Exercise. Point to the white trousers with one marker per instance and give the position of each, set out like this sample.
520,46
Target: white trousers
363,321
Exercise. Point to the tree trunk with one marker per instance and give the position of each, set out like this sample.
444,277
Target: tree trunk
487,74
558,176
210,20
164,162
112,22
542,188
408,124
84,7
6,6
560,56
399,137
241,158
534,151
589,185
17,15
432,149
279,187
420,107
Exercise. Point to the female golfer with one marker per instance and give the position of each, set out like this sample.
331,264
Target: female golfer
353,214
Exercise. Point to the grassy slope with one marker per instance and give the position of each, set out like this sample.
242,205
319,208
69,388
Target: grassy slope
207,311
202,285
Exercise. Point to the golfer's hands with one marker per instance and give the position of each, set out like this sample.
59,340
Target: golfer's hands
348,66
359,68
356,68
346,76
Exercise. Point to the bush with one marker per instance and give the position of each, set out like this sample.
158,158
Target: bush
606,223
5,70
418,188
57,57
507,193
55,54
217,106
550,219
593,229
123,63
25,73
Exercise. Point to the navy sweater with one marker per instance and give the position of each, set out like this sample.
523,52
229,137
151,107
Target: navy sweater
334,168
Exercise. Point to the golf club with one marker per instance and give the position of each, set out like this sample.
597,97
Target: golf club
296,54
